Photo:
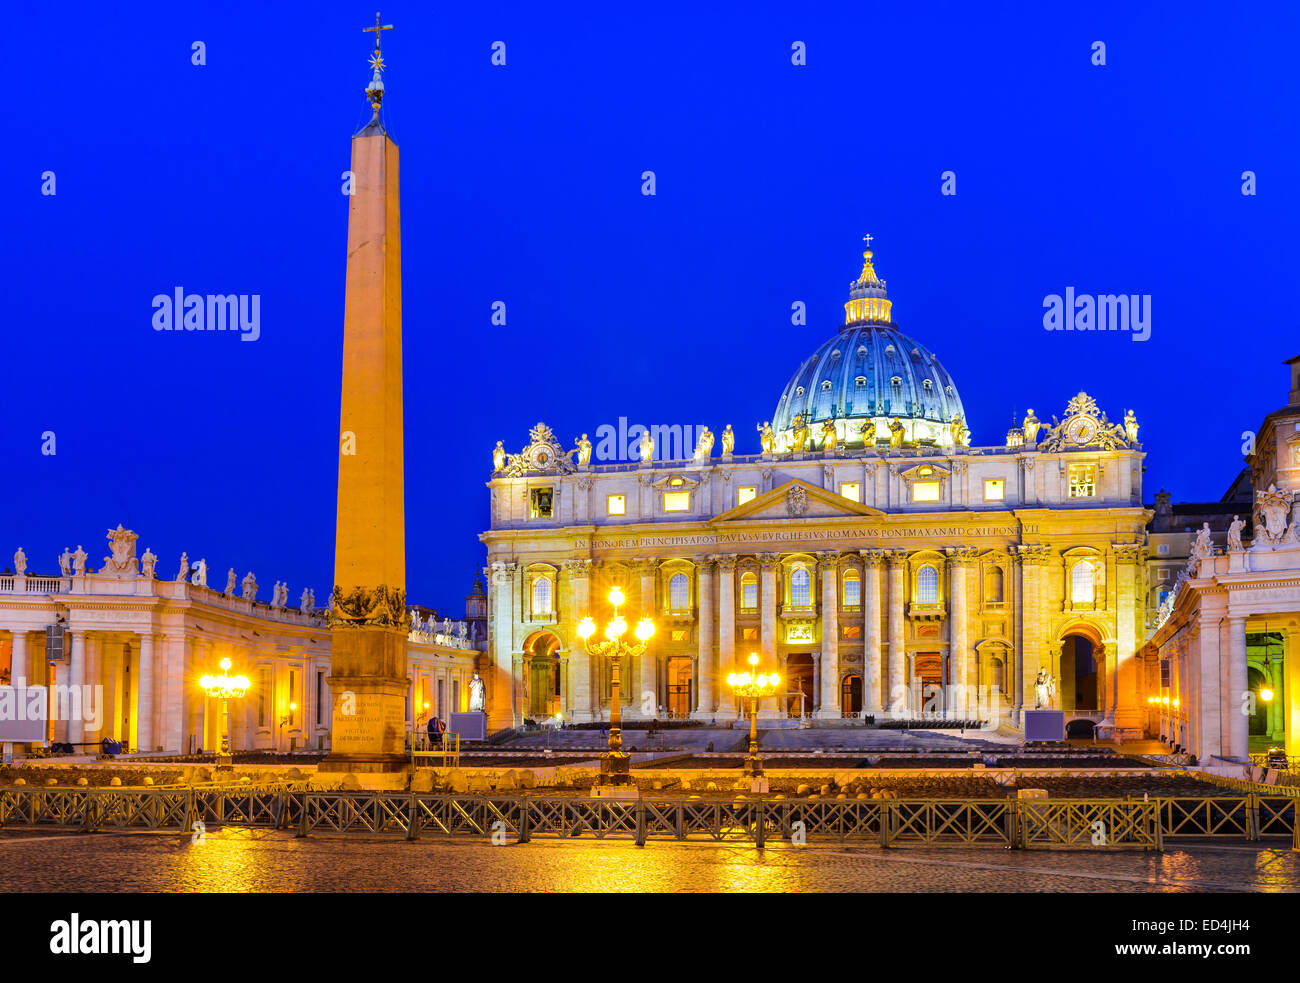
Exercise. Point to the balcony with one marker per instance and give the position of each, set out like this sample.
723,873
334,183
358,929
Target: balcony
919,611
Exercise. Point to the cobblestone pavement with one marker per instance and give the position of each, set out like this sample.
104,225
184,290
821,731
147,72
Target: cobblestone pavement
270,861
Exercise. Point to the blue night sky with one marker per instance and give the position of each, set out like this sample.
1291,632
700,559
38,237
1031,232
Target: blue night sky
522,184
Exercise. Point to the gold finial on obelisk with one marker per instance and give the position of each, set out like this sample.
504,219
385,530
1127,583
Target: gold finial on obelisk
375,90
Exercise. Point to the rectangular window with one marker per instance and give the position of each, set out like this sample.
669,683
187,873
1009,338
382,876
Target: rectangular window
1083,480
925,491
678,501
852,631
749,634
1164,575
994,490
540,502
749,595
1163,549
680,635
851,490
615,505
852,592
746,493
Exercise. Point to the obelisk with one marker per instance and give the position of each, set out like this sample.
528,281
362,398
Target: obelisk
368,630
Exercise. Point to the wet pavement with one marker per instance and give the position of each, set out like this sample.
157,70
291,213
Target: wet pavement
239,860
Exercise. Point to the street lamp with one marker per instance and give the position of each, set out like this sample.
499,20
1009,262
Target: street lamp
615,766
225,688
753,686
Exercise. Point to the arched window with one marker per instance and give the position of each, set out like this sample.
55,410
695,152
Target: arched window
852,589
800,589
927,585
993,584
748,592
679,592
1081,583
542,596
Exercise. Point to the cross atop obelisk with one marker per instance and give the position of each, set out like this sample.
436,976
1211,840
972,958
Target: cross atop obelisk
375,90
378,29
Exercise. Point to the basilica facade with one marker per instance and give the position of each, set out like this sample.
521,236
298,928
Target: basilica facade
873,557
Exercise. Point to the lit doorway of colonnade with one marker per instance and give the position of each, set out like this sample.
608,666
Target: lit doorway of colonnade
542,665
680,675
798,684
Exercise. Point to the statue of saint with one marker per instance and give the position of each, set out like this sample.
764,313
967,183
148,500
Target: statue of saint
800,433
183,574
584,452
147,563
1204,545
958,431
499,456
1042,696
477,694
830,439
895,432
1131,426
867,431
65,562
647,447
704,445
1030,427
415,620
20,563
304,602
79,560
231,577
250,587
1234,534
728,442
766,438
200,578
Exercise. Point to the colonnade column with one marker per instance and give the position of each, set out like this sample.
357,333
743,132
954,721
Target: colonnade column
1238,729
830,662
1291,666
767,591
580,663
871,630
1032,559
647,691
76,679
708,667
897,695
1128,714
19,673
144,716
503,705
1275,728
958,702
726,619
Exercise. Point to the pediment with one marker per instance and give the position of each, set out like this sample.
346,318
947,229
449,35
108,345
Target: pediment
797,499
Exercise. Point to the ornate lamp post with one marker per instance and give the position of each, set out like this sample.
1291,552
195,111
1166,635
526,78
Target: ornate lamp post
225,688
752,687
615,773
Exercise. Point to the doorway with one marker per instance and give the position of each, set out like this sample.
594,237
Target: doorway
799,684
851,695
680,675
1078,682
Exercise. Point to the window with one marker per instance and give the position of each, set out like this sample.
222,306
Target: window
615,505
1081,582
746,493
851,490
826,386
993,585
679,592
680,635
1083,480
994,490
927,585
749,634
860,382
1163,549
925,491
677,501
851,631
540,502
800,587
541,596
748,592
852,589
1163,574
320,695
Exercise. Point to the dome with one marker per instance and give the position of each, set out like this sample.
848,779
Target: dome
870,371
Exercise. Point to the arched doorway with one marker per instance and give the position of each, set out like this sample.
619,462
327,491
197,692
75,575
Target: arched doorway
1077,686
542,664
680,676
799,680
1258,723
851,695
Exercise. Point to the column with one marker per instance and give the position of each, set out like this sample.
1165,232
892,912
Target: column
144,727
871,631
817,684
1128,713
580,662
726,615
830,661
958,702
19,671
708,667
1031,607
767,602
76,679
897,696
1238,729
1275,728
1291,721
647,690
503,696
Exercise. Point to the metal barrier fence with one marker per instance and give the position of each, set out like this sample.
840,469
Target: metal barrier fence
1013,823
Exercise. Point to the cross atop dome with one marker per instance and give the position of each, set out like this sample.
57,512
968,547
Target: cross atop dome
867,298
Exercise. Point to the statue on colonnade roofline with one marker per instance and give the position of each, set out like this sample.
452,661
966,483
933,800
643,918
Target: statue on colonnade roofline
20,562
1131,426
65,562
1234,534
766,438
1203,546
1031,426
250,587
231,579
584,451
647,447
147,563
200,578
182,575
704,445
728,442
305,601
79,560
499,456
